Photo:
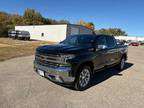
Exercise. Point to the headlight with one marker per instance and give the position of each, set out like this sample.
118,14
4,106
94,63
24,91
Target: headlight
67,57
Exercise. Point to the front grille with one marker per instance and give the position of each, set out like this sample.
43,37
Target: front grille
48,60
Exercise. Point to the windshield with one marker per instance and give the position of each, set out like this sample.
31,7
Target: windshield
78,40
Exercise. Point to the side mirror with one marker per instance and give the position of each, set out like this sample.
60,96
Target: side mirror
101,47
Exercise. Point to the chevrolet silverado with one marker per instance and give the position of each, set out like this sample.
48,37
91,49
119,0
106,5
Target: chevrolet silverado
75,60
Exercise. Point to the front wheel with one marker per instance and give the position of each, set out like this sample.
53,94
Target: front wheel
83,79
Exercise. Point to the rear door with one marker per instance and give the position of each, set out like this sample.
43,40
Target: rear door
112,51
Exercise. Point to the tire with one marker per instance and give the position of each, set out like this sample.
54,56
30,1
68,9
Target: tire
121,65
83,79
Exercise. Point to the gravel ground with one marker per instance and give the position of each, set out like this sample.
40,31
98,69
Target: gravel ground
21,87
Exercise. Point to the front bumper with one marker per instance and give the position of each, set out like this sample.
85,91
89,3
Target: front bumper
56,74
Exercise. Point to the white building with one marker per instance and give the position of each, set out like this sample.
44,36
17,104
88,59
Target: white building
54,33
133,38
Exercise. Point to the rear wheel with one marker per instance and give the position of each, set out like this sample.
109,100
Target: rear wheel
83,79
121,64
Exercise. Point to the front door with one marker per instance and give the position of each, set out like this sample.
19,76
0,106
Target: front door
100,56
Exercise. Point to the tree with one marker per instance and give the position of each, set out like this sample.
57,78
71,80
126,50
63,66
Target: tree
112,31
32,17
9,21
47,21
4,22
89,25
15,19
53,21
63,22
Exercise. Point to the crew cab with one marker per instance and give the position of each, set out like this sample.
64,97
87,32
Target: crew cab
75,60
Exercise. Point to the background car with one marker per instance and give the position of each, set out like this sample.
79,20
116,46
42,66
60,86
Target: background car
24,35
134,44
12,33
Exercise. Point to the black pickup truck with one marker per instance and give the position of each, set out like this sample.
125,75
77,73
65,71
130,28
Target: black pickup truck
75,60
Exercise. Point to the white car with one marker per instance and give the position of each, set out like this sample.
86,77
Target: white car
12,33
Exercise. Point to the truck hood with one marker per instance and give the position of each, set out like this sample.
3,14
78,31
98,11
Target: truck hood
63,48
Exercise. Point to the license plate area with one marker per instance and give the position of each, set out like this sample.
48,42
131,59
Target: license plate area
48,75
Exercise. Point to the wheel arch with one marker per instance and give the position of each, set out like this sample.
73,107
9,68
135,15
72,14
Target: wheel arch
86,63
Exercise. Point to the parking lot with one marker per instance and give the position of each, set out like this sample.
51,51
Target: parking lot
21,87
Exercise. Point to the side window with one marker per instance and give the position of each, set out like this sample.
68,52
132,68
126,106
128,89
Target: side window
101,40
111,43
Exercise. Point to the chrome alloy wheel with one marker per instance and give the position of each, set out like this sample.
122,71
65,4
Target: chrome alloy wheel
84,77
